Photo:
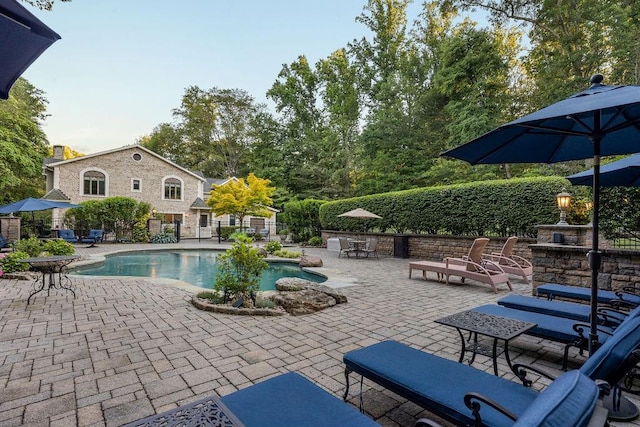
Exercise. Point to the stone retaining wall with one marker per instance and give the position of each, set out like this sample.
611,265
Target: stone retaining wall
568,265
433,247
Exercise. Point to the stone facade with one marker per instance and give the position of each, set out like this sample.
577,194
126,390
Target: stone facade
121,167
569,265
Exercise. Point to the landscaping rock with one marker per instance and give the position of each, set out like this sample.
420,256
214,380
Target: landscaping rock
305,301
310,261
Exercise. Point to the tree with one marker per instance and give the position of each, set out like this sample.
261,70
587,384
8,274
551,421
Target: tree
241,198
23,144
43,4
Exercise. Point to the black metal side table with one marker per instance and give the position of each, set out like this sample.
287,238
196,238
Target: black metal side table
496,327
52,270
206,412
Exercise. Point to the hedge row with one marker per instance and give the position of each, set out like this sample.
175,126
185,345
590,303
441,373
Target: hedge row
487,208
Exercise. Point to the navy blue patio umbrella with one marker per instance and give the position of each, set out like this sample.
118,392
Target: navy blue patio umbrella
599,121
621,173
31,204
23,38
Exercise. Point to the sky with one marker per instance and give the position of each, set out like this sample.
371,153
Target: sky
122,66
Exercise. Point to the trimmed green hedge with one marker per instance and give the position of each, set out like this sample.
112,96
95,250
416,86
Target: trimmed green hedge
487,208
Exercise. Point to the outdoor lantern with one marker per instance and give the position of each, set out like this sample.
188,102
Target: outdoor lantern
154,212
563,200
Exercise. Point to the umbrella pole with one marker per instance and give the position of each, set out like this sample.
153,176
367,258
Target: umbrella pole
595,256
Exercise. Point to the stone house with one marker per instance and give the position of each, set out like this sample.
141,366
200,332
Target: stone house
175,193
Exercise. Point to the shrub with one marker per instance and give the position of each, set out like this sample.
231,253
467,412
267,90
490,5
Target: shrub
214,297
273,246
163,238
140,233
287,254
32,246
315,241
239,270
265,303
11,262
58,247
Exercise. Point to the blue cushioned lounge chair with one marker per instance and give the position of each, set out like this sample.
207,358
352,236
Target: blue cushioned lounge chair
570,310
554,290
457,392
68,235
94,236
558,329
282,401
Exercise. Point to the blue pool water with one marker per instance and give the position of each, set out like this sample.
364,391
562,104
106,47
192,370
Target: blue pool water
197,267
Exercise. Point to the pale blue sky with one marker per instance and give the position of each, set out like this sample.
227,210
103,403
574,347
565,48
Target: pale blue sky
122,65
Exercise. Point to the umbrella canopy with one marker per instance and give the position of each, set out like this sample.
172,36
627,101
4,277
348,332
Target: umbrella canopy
622,173
24,38
31,204
602,120
359,213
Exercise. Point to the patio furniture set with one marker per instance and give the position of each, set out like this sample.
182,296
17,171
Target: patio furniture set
454,391
359,248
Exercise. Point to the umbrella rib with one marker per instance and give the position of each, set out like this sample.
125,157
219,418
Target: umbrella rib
556,131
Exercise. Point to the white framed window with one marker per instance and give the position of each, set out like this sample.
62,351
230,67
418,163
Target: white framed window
94,183
172,188
136,185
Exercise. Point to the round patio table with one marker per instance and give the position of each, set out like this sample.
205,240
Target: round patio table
53,269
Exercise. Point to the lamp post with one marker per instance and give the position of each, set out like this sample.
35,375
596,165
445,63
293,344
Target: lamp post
563,200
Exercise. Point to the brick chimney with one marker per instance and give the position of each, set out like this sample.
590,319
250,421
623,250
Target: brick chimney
58,152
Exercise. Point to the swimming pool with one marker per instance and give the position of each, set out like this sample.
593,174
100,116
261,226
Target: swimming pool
197,267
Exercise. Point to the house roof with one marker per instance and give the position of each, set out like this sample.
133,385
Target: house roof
48,164
57,195
199,204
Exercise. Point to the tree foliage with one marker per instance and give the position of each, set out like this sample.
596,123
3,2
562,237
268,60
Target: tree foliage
23,144
240,197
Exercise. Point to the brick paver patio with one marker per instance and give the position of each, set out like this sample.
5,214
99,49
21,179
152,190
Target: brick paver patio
127,348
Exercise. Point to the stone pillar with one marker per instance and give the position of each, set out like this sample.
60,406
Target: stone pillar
10,227
154,225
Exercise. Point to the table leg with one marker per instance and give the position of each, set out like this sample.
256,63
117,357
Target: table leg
464,347
494,356
37,289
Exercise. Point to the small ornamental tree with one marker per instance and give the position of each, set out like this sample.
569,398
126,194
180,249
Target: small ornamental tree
241,198
239,270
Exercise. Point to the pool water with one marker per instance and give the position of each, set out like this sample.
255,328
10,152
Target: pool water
197,267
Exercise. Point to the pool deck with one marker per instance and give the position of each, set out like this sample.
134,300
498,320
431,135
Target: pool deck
127,348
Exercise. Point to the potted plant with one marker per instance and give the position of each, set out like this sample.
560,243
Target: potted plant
283,235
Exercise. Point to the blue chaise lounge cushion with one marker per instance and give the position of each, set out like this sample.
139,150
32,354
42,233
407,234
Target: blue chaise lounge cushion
568,401
292,400
569,310
438,384
553,290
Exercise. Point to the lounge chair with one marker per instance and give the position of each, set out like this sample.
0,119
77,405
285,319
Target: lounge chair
471,266
345,248
94,236
558,329
68,235
452,390
282,401
4,243
570,310
554,290
510,263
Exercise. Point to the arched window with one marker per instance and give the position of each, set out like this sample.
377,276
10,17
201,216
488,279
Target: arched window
173,189
94,183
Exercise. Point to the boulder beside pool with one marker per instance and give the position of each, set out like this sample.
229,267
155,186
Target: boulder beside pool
298,296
